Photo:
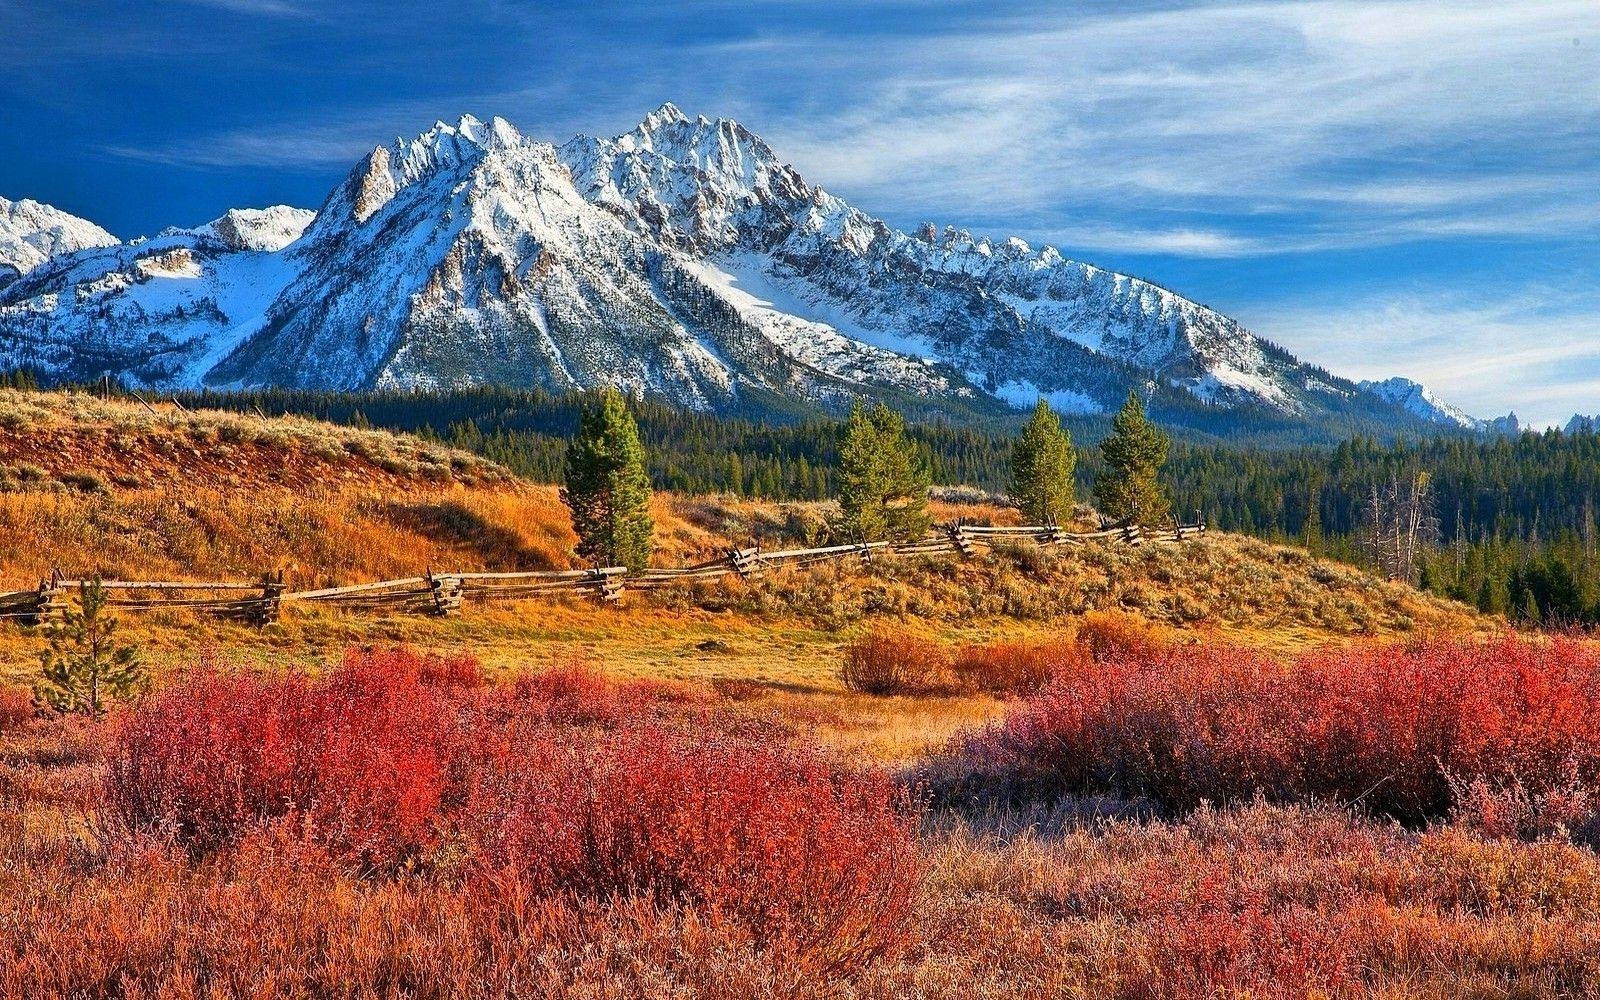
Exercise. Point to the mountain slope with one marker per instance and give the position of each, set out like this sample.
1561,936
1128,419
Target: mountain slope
682,259
1018,320
31,233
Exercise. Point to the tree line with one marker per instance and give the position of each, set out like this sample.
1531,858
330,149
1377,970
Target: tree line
1514,517
883,477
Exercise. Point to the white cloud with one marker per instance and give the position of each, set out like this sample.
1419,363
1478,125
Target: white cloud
1358,123
1537,353
266,8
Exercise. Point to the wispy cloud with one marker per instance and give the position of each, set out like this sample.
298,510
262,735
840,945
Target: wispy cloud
1537,353
1360,123
268,146
265,8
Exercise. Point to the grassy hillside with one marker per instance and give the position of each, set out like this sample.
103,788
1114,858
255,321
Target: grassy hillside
1195,796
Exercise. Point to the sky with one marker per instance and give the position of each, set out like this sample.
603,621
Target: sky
1384,188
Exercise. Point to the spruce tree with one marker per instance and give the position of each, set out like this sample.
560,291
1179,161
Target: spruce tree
1042,467
607,488
861,479
1134,451
906,476
84,667
883,481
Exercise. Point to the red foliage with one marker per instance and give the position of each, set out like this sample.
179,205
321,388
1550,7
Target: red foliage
814,863
358,758
16,706
1014,667
1389,726
562,784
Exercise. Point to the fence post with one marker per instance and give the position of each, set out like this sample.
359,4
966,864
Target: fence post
52,606
446,593
960,539
747,562
1132,535
270,606
607,585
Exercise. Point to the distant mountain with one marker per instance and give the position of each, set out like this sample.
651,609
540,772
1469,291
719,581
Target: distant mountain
31,233
682,259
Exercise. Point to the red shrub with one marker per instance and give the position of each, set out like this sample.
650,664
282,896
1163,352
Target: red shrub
573,693
454,672
358,758
815,864
1388,726
16,706
561,785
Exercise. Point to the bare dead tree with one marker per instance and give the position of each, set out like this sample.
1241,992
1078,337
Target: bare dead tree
1398,525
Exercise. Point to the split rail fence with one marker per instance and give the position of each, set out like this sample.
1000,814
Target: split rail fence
261,602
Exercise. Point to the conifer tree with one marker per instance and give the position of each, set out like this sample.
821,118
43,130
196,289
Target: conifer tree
1042,467
84,667
883,481
607,488
1134,452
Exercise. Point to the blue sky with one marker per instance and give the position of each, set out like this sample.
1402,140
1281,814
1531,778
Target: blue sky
1384,188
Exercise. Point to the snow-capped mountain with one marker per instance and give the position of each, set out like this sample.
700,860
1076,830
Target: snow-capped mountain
269,229
31,233
1415,398
682,259
1418,400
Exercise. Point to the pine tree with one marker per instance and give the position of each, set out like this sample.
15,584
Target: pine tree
862,479
1042,467
607,488
84,667
1134,452
883,481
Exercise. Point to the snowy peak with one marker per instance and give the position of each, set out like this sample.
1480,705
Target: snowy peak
32,232
265,230
681,259
442,149
699,184
1418,400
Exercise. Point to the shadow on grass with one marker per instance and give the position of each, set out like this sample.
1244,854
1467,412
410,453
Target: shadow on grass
452,524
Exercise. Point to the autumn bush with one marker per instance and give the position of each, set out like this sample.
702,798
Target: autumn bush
887,662
1396,729
808,861
1013,668
358,758
16,706
1114,634
559,785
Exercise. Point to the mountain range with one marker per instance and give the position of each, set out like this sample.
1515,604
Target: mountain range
683,259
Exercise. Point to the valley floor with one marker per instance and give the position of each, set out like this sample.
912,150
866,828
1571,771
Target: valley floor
1213,769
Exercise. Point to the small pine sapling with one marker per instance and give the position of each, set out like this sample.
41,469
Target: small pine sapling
84,667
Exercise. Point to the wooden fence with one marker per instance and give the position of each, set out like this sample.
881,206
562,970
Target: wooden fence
261,602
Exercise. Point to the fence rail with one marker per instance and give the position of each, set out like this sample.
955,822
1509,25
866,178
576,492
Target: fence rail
261,602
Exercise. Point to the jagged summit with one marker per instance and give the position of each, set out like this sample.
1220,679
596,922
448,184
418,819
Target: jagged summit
682,258
32,232
265,230
1416,398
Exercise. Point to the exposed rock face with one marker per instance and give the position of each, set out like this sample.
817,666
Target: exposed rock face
681,259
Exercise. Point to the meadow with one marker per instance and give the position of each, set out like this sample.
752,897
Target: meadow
401,825
1216,769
